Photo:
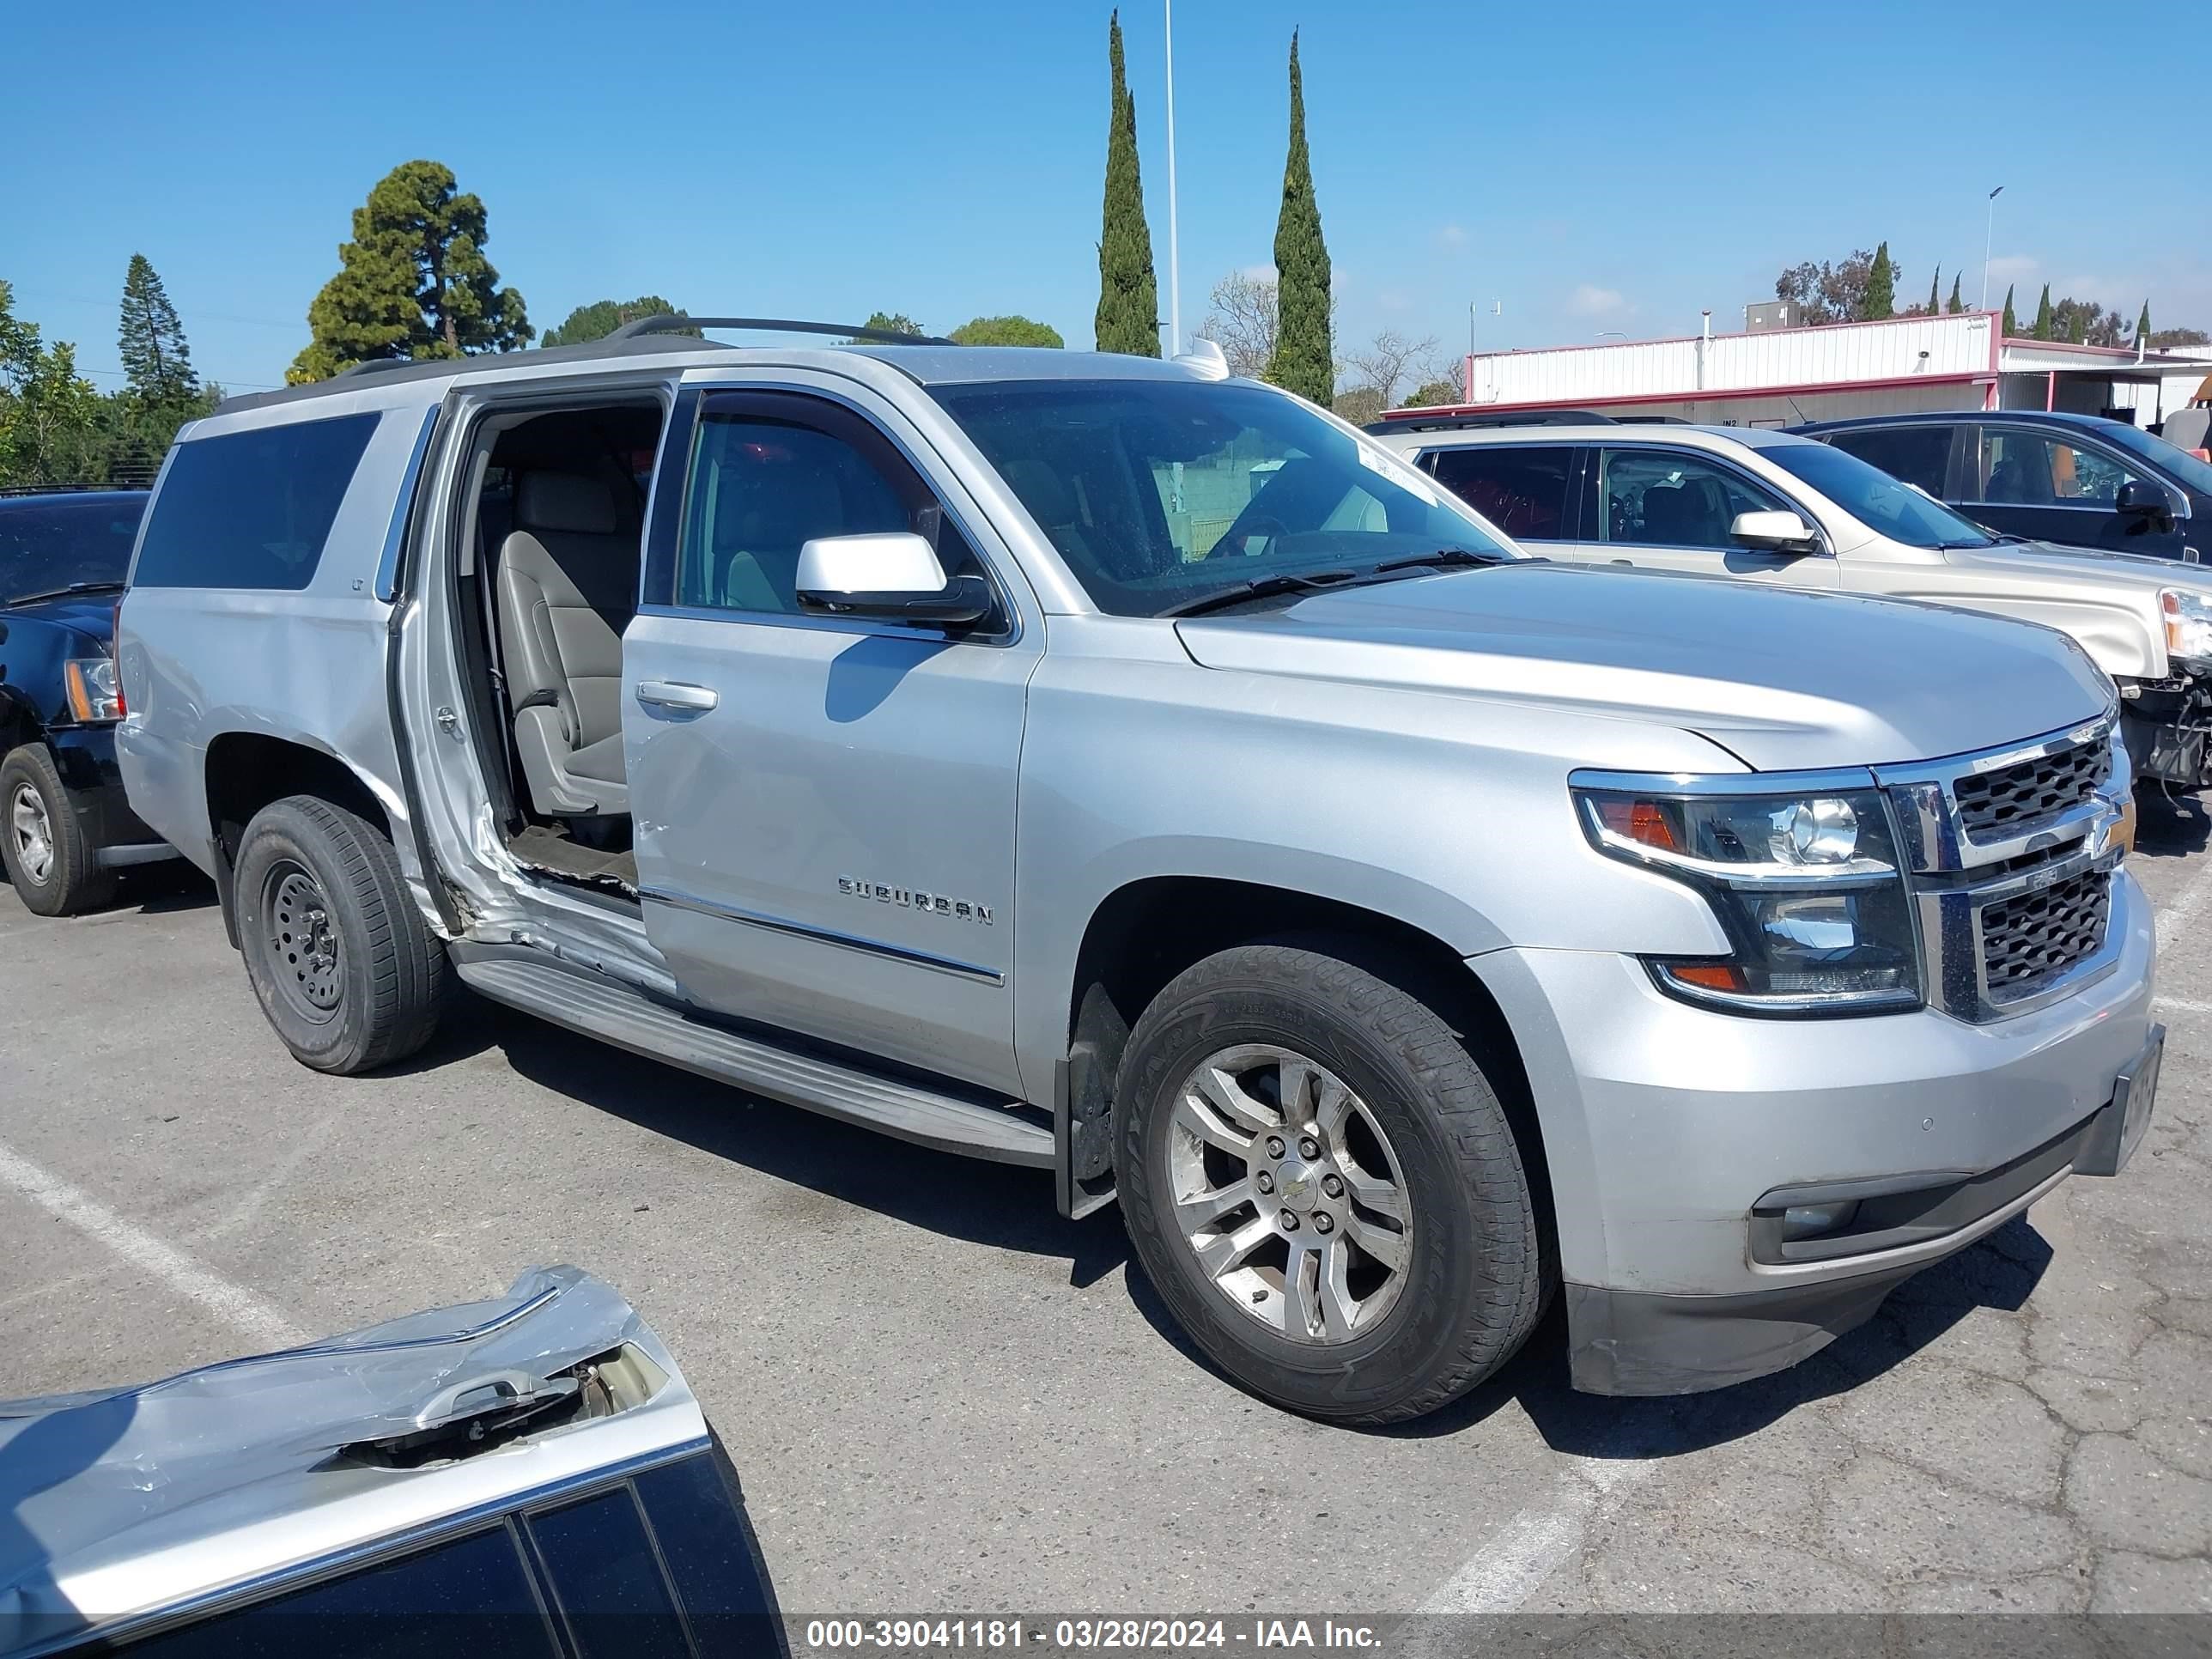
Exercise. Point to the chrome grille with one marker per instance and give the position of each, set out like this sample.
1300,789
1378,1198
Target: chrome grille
2009,797
2029,941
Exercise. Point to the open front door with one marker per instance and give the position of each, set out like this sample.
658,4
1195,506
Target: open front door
825,806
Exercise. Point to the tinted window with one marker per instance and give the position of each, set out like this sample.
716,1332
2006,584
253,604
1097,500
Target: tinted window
251,509
763,488
2021,468
46,543
708,1548
1877,500
1159,493
469,1596
608,1580
1917,455
1669,498
2177,463
1523,491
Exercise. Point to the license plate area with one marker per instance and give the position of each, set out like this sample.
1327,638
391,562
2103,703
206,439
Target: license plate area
2119,1128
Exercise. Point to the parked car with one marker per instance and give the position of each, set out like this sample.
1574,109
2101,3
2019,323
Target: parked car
529,1475
65,826
1772,508
2074,480
1091,763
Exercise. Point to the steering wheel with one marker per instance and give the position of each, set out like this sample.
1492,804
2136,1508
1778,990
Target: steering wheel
1272,528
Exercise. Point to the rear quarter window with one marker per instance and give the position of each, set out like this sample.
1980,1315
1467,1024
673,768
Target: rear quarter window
251,509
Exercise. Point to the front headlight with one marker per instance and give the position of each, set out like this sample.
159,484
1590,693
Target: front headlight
1808,886
2188,618
90,685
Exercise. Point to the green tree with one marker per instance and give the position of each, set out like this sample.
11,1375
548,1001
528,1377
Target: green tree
1431,394
156,361
1305,357
51,422
1881,298
1128,318
1935,292
1014,331
2011,322
894,322
413,283
2142,324
1957,305
2043,315
603,317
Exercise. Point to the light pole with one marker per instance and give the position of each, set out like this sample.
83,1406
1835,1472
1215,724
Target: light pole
1989,237
1174,268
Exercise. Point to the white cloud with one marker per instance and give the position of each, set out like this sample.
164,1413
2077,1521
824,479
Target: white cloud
2012,267
1590,300
1258,273
1452,236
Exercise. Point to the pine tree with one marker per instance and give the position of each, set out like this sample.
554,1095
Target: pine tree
1881,299
2143,325
1128,317
2043,315
1956,304
413,283
155,360
2011,322
1935,290
1305,357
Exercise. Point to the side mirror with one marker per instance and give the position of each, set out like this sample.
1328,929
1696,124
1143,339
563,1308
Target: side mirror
2140,498
1774,532
894,575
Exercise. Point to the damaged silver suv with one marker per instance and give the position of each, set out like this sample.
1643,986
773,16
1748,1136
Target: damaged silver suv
1097,764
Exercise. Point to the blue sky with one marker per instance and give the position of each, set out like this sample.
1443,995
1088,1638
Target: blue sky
1592,167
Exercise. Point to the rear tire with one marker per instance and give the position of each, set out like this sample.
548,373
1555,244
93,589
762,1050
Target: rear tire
1421,1169
345,966
53,866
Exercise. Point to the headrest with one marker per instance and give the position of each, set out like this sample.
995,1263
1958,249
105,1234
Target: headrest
565,501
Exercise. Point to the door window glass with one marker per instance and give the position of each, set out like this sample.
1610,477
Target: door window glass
1916,454
1524,491
471,1596
1668,498
2021,468
605,1574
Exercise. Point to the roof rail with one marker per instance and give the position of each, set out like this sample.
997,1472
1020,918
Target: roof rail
665,324
1447,421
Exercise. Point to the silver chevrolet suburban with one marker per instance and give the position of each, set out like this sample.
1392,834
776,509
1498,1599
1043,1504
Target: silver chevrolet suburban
1097,764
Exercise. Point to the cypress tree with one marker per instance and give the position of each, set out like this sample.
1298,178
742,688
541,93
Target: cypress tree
1935,290
2011,322
2143,325
2043,315
1956,304
1305,357
151,341
1881,300
1128,292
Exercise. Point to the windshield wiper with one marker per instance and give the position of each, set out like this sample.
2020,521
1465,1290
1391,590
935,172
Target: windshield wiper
1262,587
63,593
1444,558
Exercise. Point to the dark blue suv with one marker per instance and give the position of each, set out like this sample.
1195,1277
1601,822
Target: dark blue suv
65,826
2079,480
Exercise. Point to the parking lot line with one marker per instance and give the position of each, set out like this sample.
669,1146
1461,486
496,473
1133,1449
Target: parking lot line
219,1296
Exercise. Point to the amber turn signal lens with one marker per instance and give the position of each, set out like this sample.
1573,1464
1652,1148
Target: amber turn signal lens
1641,821
1709,977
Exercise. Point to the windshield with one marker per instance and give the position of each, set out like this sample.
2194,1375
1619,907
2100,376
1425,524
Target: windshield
2177,463
48,542
1877,500
1161,493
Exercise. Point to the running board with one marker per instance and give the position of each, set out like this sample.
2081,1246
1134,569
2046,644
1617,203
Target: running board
615,1014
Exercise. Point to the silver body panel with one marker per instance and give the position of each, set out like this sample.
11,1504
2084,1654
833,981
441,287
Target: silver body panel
1405,750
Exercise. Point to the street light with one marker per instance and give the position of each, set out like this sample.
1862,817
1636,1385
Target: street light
1989,237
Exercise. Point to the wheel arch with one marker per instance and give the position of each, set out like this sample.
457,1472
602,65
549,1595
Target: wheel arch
244,771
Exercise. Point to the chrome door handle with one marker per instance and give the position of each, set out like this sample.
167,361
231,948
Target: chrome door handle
676,693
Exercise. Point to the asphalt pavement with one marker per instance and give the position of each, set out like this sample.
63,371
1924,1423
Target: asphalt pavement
944,1399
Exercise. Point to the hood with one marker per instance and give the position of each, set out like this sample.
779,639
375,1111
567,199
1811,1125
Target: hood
2093,566
1782,680
92,615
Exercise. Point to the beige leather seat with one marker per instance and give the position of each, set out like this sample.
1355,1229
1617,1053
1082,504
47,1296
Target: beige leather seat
568,587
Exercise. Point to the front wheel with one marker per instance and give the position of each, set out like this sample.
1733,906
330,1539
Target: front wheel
52,864
344,964
1321,1184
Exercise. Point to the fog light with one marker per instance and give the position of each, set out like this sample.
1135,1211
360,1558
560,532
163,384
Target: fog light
1812,1220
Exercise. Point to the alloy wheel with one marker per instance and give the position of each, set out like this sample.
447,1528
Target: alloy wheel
32,832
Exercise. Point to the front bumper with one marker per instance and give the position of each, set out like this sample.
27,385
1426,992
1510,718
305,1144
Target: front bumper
85,757
1664,1126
